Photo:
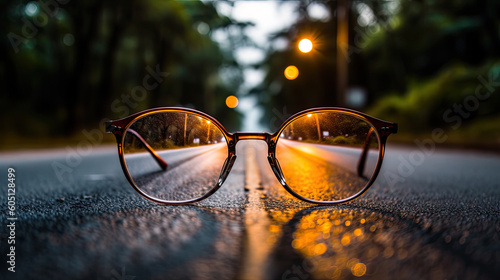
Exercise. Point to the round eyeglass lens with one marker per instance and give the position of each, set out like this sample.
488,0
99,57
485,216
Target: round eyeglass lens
174,156
329,155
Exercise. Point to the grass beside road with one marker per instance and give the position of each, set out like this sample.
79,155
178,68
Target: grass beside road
13,143
461,100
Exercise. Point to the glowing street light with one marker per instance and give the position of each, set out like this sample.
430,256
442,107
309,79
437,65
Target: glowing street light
291,72
208,132
305,45
317,125
185,127
232,101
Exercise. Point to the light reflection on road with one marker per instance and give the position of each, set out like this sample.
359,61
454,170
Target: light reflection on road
326,175
326,243
340,242
414,230
347,157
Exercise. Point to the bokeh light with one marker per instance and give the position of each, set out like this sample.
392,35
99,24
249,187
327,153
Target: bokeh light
291,72
31,9
68,39
358,269
232,101
305,45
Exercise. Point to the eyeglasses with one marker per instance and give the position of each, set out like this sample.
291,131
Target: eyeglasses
322,155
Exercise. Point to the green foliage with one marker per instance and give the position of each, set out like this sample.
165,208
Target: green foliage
428,102
168,144
341,140
426,36
415,59
84,62
483,131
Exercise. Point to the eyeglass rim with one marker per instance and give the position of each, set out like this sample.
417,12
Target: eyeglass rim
118,127
124,123
382,130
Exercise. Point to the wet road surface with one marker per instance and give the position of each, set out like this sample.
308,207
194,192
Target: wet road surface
428,216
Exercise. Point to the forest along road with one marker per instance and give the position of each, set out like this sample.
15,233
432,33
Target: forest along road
432,215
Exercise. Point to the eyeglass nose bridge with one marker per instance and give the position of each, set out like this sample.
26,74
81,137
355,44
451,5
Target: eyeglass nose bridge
252,136
271,143
234,138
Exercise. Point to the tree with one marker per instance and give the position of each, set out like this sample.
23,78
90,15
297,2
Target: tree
85,61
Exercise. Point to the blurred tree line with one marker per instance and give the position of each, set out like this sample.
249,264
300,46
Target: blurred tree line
67,64
416,60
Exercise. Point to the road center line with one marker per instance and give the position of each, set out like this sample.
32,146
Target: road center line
257,221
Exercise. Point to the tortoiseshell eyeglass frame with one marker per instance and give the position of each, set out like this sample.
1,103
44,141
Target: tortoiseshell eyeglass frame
382,130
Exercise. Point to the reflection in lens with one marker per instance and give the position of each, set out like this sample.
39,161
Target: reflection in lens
192,147
329,155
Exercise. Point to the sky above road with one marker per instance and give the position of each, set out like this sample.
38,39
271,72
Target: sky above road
269,17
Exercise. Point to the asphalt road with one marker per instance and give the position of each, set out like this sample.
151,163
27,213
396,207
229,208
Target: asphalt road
429,215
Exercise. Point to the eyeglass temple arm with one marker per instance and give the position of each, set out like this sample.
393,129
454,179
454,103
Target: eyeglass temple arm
362,158
158,159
